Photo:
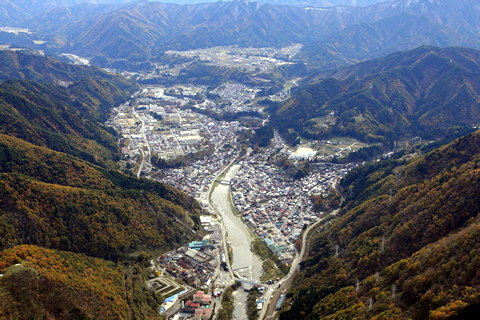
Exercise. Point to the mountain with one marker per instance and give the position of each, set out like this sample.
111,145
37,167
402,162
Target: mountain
46,21
54,200
67,118
144,29
75,234
333,36
39,282
46,115
418,92
365,41
400,25
325,3
466,57
28,66
13,13
408,233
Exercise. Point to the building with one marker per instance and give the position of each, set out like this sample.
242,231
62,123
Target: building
206,300
197,297
198,314
197,245
206,313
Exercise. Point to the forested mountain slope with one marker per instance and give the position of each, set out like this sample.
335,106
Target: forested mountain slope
16,11
70,199
98,90
39,282
56,201
418,92
409,233
46,115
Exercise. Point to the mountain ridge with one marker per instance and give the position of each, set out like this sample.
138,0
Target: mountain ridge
404,222
433,91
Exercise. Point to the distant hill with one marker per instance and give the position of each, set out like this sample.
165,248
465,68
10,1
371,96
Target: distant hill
333,36
89,210
39,282
408,233
418,92
364,41
468,58
14,12
20,65
383,28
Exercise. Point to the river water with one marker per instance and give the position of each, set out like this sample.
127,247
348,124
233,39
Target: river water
240,240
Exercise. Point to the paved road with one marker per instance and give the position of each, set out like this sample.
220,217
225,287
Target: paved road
286,282
142,132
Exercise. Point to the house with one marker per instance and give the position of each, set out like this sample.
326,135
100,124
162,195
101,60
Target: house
197,297
198,314
206,314
206,299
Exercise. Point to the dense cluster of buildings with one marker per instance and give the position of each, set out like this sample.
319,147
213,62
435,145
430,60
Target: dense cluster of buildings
274,205
198,177
158,126
196,264
236,94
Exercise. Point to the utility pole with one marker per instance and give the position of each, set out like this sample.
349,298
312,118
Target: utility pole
383,244
394,289
370,304
357,288
336,250
377,277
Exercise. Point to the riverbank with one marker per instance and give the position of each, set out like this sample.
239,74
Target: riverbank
273,268
240,239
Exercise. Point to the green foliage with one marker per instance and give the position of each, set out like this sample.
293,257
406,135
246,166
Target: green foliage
261,137
44,114
419,92
20,65
252,311
54,200
424,214
226,312
326,203
272,266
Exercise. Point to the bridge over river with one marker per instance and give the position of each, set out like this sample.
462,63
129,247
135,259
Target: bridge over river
224,181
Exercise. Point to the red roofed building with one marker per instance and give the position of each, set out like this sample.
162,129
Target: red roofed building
198,314
197,297
206,299
191,304
206,314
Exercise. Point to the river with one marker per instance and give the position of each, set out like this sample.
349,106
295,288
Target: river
240,240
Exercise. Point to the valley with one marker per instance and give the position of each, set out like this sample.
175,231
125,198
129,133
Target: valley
239,160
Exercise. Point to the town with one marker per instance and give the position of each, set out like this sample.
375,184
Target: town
166,137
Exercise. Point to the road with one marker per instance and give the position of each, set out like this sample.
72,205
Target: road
286,282
142,132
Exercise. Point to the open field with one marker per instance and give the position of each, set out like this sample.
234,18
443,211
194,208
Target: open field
252,59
